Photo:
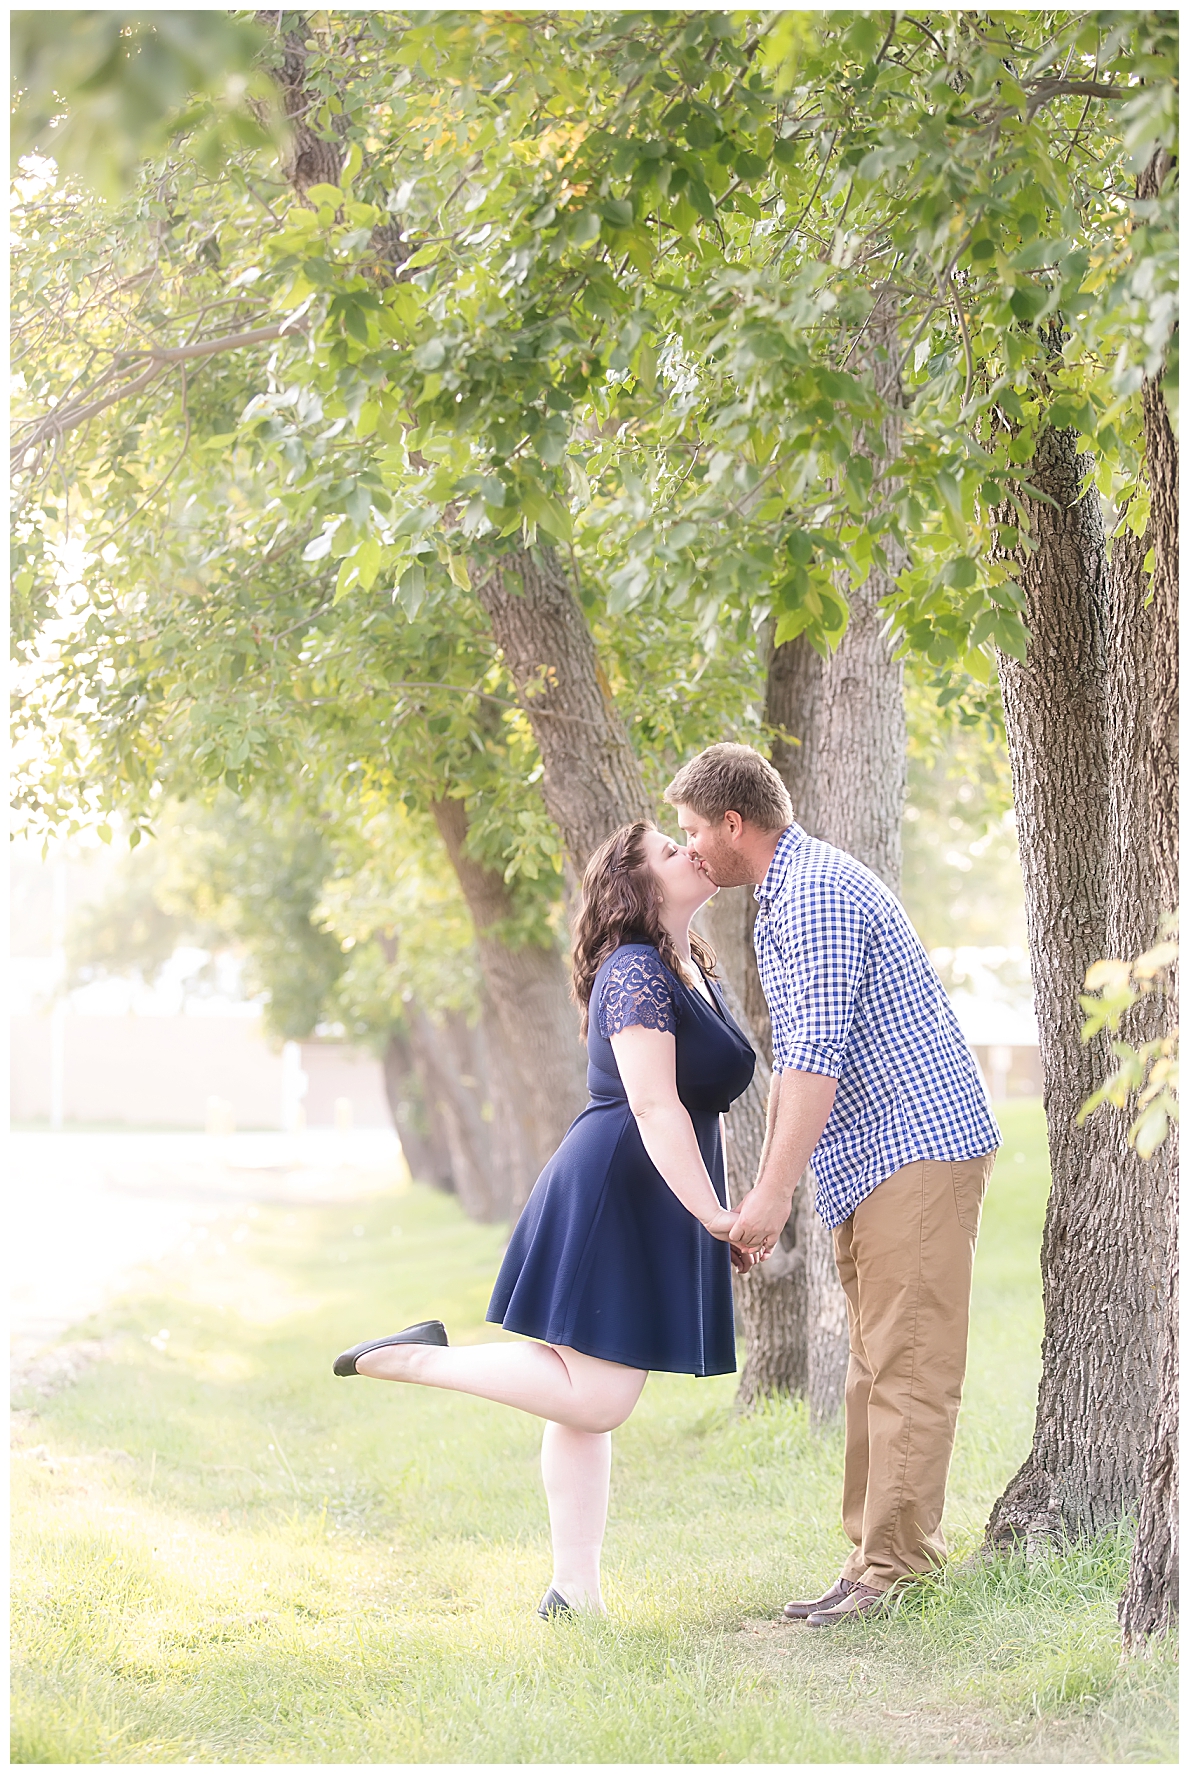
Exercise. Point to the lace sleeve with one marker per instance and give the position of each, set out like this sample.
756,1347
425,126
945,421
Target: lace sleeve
637,993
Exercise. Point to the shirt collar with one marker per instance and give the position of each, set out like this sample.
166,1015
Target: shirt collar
778,868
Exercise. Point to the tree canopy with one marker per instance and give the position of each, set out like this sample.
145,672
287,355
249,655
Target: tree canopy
601,279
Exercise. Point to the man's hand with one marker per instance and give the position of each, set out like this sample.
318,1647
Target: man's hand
760,1219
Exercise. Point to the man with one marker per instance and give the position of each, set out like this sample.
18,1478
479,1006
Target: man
873,1080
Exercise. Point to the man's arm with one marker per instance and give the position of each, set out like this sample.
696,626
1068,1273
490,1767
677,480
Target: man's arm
798,1108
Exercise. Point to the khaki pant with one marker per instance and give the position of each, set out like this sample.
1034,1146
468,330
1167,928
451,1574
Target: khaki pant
905,1259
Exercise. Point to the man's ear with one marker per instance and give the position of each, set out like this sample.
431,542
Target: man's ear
734,826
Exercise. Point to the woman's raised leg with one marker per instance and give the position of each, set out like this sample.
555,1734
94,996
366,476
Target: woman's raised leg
576,1468
577,1391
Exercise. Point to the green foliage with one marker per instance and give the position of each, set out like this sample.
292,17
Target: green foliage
100,91
603,281
129,929
1148,1076
343,910
264,877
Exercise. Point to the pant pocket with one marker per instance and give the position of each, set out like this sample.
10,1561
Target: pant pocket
969,1177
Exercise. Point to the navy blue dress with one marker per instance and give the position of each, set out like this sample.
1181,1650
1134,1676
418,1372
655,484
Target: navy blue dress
604,1258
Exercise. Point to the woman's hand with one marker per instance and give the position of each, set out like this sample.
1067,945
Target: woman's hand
720,1224
742,1260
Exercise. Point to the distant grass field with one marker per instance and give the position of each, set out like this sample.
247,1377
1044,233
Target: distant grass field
223,1554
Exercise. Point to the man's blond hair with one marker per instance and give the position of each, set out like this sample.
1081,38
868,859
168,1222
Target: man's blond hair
732,779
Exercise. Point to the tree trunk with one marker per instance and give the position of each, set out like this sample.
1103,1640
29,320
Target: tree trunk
1075,715
418,1127
541,1056
770,1299
508,1151
310,159
455,1071
1150,1600
847,780
592,784
847,783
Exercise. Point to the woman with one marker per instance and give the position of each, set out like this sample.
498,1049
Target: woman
620,1262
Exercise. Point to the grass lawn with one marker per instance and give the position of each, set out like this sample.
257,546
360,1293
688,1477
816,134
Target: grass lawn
224,1554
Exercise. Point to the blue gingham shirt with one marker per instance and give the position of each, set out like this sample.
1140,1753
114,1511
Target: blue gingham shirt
853,996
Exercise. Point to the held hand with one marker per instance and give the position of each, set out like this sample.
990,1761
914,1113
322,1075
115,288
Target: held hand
721,1225
742,1260
760,1219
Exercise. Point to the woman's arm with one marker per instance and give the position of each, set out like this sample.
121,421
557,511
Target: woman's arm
647,1061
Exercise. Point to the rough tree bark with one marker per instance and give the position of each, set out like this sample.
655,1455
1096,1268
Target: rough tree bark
592,781
451,1095
460,1086
418,1126
847,783
770,1300
311,159
1079,715
1151,1600
1149,792
530,998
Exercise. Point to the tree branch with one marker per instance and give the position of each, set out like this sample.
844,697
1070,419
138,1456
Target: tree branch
1044,90
68,416
952,294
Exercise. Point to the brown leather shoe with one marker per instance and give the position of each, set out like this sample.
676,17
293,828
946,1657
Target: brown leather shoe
860,1602
802,1610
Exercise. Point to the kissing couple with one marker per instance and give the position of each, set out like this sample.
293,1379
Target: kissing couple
621,1260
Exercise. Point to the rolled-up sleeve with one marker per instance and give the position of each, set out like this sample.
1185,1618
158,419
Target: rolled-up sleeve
819,943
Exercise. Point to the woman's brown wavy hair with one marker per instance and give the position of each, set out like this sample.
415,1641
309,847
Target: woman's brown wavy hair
621,903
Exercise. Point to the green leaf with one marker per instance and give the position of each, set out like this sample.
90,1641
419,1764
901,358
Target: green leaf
1011,636
1027,301
456,566
411,589
417,520
961,572
701,199
790,625
319,548
367,561
617,211
584,229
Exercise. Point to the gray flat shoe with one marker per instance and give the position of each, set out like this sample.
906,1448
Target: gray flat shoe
551,1603
430,1330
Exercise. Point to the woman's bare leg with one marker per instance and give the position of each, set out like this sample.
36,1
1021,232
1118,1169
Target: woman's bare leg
578,1391
582,1400
576,1468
